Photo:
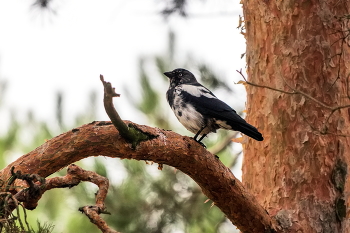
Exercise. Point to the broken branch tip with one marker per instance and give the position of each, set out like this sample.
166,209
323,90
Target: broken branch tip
101,78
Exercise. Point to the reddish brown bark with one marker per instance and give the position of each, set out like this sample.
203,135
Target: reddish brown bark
299,173
92,212
102,139
29,188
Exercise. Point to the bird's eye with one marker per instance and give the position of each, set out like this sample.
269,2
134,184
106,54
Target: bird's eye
180,74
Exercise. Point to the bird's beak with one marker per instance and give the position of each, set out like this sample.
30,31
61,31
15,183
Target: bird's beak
169,74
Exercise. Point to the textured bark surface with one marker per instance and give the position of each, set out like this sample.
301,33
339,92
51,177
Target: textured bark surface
165,147
299,173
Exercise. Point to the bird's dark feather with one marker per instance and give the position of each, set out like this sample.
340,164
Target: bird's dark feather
170,96
215,108
198,109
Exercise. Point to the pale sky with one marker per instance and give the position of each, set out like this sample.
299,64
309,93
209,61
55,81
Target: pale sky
42,53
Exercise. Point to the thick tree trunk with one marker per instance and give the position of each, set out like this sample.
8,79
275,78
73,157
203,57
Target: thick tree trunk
299,172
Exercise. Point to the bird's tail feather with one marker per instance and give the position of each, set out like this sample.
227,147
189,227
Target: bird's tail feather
248,130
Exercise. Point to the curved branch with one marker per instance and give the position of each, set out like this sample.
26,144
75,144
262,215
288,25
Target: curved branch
93,213
30,188
166,147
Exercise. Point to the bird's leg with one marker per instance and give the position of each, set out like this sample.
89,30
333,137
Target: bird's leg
202,137
197,134
201,143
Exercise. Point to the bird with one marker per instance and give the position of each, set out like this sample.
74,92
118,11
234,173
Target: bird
199,110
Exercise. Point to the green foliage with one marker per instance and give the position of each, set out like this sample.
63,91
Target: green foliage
150,97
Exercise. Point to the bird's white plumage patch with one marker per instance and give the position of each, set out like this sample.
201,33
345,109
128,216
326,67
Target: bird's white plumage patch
187,115
222,124
197,91
190,118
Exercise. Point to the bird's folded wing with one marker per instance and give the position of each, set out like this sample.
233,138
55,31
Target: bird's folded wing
209,106
212,107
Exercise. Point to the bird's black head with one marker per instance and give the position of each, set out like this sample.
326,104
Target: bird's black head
180,76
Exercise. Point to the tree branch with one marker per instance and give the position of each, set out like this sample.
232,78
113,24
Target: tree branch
31,187
74,176
93,213
333,109
294,92
166,147
130,134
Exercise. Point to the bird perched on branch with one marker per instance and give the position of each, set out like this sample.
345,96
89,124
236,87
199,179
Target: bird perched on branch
198,109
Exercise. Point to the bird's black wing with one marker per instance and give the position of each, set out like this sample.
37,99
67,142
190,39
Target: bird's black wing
205,102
